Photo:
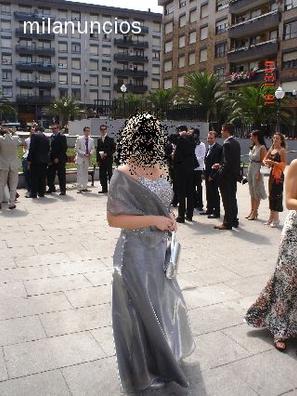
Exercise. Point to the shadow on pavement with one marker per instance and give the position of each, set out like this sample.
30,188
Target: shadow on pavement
13,213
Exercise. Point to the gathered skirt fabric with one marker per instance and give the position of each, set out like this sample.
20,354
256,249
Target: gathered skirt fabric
150,322
276,307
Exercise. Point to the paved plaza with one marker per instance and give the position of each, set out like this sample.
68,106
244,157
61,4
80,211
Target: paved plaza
55,312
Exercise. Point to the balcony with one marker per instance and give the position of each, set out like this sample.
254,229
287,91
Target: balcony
132,88
35,83
34,99
254,52
241,6
25,83
131,43
32,17
26,49
130,58
34,34
31,66
144,30
255,25
241,78
130,73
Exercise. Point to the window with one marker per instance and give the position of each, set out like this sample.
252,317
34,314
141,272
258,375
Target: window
168,28
181,81
193,16
182,20
169,8
26,76
76,64
6,75
168,47
63,63
63,79
181,61
93,95
290,30
192,37
106,51
156,55
94,81
106,81
94,49
63,93
156,70
76,93
182,3
222,4
156,41
6,59
63,14
220,50
5,26
94,65
182,41
63,46
44,77
167,83
75,16
75,48
204,33
192,59
75,79
290,60
106,95
7,92
204,11
203,55
220,72
5,9
168,66
221,26
6,42
289,4
43,44
157,27
273,35
155,84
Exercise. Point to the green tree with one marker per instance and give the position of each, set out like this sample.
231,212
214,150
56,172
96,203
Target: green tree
204,90
161,100
6,108
66,109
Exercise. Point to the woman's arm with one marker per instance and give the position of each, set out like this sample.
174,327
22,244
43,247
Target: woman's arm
267,156
263,153
283,155
131,222
291,186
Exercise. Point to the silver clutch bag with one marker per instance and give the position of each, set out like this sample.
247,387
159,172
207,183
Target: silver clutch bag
172,257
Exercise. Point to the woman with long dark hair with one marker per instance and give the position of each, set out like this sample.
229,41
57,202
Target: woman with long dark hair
255,178
276,160
150,323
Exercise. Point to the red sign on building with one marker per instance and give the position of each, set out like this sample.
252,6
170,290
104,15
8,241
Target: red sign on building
269,81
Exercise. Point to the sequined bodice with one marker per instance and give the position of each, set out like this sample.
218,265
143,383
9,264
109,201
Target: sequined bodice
161,187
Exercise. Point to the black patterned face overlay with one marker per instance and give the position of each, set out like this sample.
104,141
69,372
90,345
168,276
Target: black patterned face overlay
141,143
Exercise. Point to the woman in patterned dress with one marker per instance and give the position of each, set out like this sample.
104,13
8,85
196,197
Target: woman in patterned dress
276,307
254,176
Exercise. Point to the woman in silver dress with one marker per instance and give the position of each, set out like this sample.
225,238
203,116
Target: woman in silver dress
276,307
150,322
254,176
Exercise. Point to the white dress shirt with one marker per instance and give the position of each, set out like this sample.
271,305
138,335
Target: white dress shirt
200,155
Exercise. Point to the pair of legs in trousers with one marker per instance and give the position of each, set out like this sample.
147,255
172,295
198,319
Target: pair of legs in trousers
212,197
198,202
83,175
105,173
10,177
26,172
228,188
185,193
38,179
53,170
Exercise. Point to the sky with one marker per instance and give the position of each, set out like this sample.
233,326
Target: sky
143,5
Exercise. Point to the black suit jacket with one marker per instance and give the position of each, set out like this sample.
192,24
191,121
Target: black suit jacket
214,157
39,149
230,163
58,148
184,157
108,147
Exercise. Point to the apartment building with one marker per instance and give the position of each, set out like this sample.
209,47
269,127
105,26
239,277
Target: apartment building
37,67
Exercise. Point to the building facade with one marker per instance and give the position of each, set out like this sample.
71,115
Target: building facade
37,67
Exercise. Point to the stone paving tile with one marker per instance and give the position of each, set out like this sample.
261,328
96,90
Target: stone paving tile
12,289
50,285
24,251
11,307
51,353
208,276
89,296
249,286
41,259
7,263
74,320
19,330
99,278
50,383
3,371
28,273
76,267
105,338
98,378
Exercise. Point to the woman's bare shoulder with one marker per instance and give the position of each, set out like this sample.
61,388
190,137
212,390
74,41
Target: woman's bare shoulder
293,165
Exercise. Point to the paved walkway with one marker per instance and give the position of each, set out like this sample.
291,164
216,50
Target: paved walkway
55,273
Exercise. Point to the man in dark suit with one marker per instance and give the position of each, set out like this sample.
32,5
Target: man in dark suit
58,159
228,175
184,162
105,150
38,158
213,156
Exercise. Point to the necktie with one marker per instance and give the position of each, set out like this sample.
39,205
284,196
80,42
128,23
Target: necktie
87,145
209,150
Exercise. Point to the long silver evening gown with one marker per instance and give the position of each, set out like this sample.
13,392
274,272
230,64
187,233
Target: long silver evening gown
150,322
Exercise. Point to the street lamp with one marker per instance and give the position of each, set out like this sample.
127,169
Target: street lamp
124,90
279,94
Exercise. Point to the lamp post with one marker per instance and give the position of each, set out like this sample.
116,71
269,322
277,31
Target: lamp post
279,94
124,90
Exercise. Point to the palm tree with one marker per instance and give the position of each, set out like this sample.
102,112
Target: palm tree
64,108
6,108
162,99
204,90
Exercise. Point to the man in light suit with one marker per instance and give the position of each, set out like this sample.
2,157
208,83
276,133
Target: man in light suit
85,148
9,165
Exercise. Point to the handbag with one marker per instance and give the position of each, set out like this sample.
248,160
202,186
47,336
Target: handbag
172,257
264,171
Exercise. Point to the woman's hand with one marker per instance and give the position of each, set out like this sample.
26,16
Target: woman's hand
164,223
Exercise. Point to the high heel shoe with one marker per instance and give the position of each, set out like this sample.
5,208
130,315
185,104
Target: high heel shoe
268,222
253,216
249,215
274,224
